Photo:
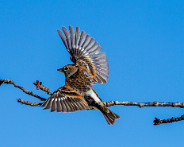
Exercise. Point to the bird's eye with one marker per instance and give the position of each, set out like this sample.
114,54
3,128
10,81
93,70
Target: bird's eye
65,68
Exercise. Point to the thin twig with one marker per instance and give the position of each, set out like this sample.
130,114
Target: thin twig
28,103
39,85
5,81
147,104
169,120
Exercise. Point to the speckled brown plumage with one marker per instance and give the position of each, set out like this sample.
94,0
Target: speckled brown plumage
90,66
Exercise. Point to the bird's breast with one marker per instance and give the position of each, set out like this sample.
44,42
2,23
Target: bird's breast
78,84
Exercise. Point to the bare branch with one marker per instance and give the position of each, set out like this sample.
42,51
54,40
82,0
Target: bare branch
147,104
39,85
108,104
5,81
169,120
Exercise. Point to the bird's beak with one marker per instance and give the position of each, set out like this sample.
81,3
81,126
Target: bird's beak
60,69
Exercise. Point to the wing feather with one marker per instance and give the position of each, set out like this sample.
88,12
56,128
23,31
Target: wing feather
62,100
59,107
63,38
90,45
48,106
77,37
82,39
72,36
82,46
86,42
53,108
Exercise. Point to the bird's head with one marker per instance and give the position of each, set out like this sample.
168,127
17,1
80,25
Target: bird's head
69,70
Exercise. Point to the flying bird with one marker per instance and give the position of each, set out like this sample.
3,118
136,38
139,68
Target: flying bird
90,66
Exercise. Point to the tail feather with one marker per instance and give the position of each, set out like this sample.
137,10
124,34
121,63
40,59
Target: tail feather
109,115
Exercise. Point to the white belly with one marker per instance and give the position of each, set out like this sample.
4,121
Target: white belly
93,95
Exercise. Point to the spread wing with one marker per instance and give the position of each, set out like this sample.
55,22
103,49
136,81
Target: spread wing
86,51
65,99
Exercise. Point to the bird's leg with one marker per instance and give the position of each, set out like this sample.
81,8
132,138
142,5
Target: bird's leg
28,103
39,85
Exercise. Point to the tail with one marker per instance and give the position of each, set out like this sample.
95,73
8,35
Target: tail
108,114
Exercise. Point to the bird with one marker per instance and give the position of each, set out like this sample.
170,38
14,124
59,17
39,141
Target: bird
90,66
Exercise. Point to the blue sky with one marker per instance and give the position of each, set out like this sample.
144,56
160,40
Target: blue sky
144,43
